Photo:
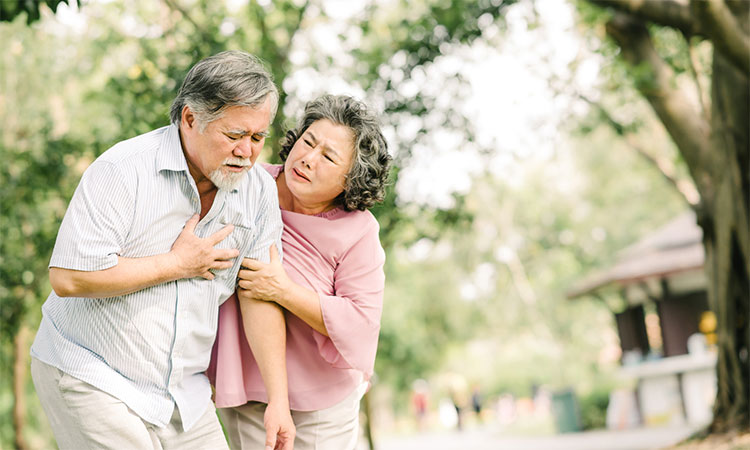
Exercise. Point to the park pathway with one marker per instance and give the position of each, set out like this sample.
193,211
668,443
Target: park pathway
489,439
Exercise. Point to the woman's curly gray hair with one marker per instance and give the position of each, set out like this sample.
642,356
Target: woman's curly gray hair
367,178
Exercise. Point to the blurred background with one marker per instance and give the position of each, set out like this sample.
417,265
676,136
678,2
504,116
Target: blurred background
566,229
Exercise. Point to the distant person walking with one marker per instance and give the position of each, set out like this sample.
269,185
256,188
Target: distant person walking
419,401
476,401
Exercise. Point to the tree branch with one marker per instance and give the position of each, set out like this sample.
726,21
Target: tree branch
722,28
671,13
298,22
172,4
665,167
711,19
688,128
702,97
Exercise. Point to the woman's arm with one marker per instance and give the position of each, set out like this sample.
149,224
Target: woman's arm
270,283
347,322
265,330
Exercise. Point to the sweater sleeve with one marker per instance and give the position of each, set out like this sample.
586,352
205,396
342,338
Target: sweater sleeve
352,314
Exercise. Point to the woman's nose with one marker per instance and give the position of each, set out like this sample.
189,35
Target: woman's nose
311,157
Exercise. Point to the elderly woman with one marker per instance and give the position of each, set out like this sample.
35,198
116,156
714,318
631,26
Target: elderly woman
329,287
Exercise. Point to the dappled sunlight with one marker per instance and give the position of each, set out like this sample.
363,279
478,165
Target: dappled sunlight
565,245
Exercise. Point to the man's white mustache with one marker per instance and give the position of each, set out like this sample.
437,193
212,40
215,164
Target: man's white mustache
237,162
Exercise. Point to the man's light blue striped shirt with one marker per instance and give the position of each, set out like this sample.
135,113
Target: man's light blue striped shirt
149,348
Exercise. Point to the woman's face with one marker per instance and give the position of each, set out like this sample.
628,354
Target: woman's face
316,168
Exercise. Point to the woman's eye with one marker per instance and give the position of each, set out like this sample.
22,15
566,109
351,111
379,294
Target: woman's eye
309,144
328,158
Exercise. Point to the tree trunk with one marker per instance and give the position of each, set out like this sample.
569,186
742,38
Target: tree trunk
367,410
20,363
725,228
718,157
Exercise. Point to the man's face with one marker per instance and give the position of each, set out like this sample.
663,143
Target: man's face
228,146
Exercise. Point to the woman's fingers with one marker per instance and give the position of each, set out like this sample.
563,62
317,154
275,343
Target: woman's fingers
252,264
246,274
244,284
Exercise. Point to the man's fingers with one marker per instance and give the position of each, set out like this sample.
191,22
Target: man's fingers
221,234
224,254
191,223
242,284
207,275
221,265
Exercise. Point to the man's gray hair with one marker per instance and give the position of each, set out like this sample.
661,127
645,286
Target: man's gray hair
368,176
226,79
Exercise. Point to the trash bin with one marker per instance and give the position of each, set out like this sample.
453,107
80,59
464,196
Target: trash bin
565,410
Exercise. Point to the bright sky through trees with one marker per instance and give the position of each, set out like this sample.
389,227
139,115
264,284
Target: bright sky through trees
515,110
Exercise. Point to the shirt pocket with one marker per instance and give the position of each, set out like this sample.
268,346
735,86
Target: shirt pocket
240,238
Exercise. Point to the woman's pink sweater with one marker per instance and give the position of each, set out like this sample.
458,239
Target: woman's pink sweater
338,255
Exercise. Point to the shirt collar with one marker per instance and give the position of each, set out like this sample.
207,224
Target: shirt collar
170,155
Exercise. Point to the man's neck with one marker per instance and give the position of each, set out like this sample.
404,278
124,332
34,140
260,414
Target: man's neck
206,188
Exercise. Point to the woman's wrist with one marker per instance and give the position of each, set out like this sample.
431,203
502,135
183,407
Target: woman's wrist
286,294
280,400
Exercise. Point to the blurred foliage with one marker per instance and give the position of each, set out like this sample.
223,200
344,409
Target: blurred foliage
10,9
71,90
455,292
593,407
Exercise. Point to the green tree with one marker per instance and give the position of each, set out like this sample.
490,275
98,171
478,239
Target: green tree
714,141
118,79
37,178
10,9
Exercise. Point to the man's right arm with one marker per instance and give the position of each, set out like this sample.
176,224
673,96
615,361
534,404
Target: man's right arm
189,257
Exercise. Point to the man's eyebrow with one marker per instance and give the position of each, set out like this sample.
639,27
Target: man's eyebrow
243,133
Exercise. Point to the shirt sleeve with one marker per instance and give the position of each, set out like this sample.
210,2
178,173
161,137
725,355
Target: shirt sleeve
96,224
269,225
352,315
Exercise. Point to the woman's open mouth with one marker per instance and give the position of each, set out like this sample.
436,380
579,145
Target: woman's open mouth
300,174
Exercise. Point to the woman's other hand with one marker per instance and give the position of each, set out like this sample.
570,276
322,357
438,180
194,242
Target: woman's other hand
261,281
280,430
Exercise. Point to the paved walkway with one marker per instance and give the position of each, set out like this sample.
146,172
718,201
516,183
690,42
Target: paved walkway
637,439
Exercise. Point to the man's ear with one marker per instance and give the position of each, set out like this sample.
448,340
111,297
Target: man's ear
187,118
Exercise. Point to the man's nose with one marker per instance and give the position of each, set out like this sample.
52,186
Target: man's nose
244,148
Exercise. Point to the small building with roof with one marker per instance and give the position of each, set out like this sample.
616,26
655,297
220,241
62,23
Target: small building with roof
656,290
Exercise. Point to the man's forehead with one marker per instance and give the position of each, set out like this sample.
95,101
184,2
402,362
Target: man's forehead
246,120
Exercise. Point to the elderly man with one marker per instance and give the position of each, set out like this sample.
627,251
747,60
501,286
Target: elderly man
146,253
